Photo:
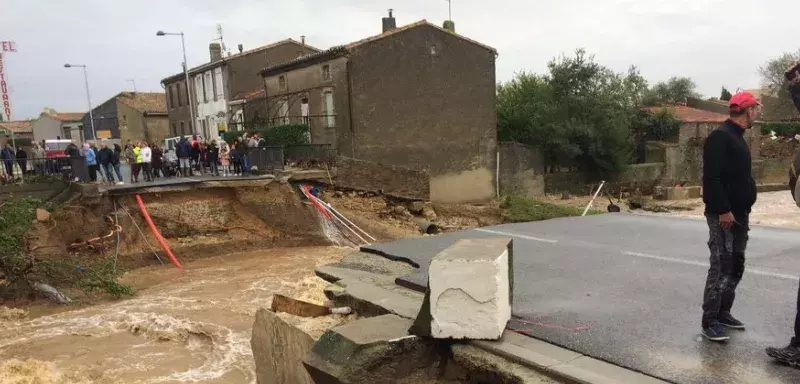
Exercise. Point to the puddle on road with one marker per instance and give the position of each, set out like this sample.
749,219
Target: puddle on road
182,326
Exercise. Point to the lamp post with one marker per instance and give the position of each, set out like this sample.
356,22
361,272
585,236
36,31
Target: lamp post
88,95
192,122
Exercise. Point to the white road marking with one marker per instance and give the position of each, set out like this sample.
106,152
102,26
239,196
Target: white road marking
754,271
517,235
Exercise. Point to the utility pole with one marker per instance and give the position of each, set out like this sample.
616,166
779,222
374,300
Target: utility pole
449,9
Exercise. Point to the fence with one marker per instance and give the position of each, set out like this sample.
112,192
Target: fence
267,158
307,155
31,169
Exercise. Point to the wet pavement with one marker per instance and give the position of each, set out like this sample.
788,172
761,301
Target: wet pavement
627,289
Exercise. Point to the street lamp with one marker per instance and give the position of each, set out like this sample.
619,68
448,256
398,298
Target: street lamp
88,96
192,123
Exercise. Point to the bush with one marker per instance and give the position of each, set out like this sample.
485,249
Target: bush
282,135
661,125
781,129
522,209
16,217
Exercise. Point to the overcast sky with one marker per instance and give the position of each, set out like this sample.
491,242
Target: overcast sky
715,42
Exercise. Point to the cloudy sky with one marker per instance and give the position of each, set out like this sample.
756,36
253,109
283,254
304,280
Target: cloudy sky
715,42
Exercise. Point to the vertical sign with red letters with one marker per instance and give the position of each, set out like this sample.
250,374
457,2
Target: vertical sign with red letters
5,98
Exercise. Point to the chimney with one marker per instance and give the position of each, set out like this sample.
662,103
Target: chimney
241,48
449,25
389,23
215,50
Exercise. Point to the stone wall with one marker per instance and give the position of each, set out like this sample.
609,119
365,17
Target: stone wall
391,180
521,170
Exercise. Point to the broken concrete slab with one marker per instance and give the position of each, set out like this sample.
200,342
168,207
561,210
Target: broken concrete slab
469,291
370,350
586,370
485,367
278,349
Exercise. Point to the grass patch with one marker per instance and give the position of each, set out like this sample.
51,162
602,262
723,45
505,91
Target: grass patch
517,209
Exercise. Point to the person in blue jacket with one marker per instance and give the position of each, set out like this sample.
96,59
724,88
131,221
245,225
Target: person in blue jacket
184,154
91,162
7,155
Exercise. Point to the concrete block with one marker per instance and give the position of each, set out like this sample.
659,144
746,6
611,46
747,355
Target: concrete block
368,351
278,350
470,289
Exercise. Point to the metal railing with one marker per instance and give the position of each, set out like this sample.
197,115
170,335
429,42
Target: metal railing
309,155
266,158
34,169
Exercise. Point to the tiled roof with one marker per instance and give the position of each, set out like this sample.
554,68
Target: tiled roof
344,49
70,116
19,126
152,103
691,115
213,64
250,95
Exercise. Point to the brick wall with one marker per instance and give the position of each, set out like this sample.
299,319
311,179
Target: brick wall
392,180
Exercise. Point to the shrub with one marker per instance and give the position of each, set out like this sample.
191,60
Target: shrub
522,209
781,129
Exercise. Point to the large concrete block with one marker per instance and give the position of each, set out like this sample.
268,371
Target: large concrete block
278,350
470,289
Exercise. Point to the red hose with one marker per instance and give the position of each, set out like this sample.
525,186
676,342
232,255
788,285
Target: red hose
156,233
317,205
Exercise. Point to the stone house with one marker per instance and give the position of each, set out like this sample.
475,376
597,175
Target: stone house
130,116
215,84
418,96
57,125
22,129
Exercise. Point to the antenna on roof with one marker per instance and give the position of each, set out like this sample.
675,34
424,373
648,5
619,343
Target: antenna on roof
221,40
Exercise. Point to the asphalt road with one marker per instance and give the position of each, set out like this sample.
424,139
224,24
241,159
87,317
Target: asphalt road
627,289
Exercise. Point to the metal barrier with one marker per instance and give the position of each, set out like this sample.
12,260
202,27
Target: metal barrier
309,155
266,158
35,169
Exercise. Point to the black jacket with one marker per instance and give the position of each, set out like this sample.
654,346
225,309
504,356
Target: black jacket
794,90
106,156
728,184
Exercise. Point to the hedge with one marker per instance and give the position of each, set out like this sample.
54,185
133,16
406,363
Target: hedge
781,129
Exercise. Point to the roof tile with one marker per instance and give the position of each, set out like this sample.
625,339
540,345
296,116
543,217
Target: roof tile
691,115
145,102
19,126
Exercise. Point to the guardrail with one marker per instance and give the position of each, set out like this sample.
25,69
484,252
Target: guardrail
33,169
267,158
309,155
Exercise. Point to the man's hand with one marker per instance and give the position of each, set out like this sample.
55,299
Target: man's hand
726,220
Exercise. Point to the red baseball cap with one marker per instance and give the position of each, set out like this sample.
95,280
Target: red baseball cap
741,101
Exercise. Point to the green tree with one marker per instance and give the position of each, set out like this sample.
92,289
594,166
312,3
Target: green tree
725,95
579,114
673,91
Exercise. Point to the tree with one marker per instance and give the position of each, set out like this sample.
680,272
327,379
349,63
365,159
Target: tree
579,114
673,91
773,79
725,95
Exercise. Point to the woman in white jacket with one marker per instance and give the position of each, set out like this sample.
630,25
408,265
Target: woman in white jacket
147,158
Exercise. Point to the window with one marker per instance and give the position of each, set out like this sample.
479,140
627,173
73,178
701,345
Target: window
180,95
208,87
282,83
330,114
219,91
283,113
198,89
183,129
205,128
304,110
174,130
326,72
171,96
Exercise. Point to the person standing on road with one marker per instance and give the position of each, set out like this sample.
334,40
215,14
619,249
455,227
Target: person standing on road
91,162
224,158
729,192
22,160
183,151
791,353
136,167
147,159
158,161
7,154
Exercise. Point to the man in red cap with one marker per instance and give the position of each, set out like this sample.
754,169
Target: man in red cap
791,353
729,192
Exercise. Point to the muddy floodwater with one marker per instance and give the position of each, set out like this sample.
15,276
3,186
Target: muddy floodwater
183,326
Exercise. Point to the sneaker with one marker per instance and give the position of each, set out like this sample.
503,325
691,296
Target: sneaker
730,321
120,183
715,332
788,355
